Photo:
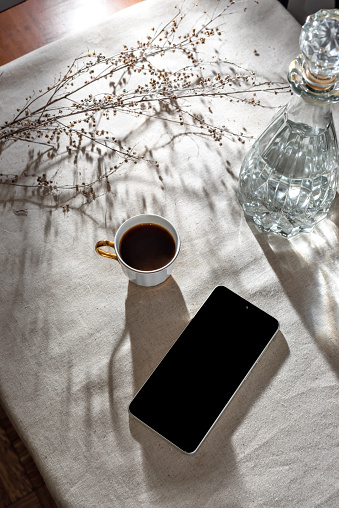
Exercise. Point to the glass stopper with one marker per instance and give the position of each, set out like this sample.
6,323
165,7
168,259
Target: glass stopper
319,44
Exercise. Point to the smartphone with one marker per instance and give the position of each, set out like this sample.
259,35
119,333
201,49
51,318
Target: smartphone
190,388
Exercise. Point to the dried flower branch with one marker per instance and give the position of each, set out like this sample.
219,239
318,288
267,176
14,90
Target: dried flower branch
64,111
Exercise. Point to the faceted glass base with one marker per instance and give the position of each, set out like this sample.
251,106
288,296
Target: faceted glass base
289,178
276,223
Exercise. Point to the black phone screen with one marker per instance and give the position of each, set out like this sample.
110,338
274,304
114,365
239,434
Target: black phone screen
192,385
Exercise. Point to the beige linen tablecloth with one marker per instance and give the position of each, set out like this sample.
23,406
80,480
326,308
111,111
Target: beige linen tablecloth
78,340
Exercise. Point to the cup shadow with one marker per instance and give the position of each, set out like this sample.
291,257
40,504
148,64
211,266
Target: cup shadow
155,317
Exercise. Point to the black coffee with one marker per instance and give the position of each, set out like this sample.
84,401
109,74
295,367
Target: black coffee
147,247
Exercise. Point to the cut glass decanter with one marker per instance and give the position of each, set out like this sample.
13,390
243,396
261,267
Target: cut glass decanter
289,178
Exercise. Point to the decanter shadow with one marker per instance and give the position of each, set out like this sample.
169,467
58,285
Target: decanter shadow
305,266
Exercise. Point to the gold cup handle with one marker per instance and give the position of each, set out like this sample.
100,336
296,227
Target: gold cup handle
105,253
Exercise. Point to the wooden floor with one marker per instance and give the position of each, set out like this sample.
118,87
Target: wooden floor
34,23
23,28
21,485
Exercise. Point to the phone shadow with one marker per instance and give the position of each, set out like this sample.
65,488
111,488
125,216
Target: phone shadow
154,320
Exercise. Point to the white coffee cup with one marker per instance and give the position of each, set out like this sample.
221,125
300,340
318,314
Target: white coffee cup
141,277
